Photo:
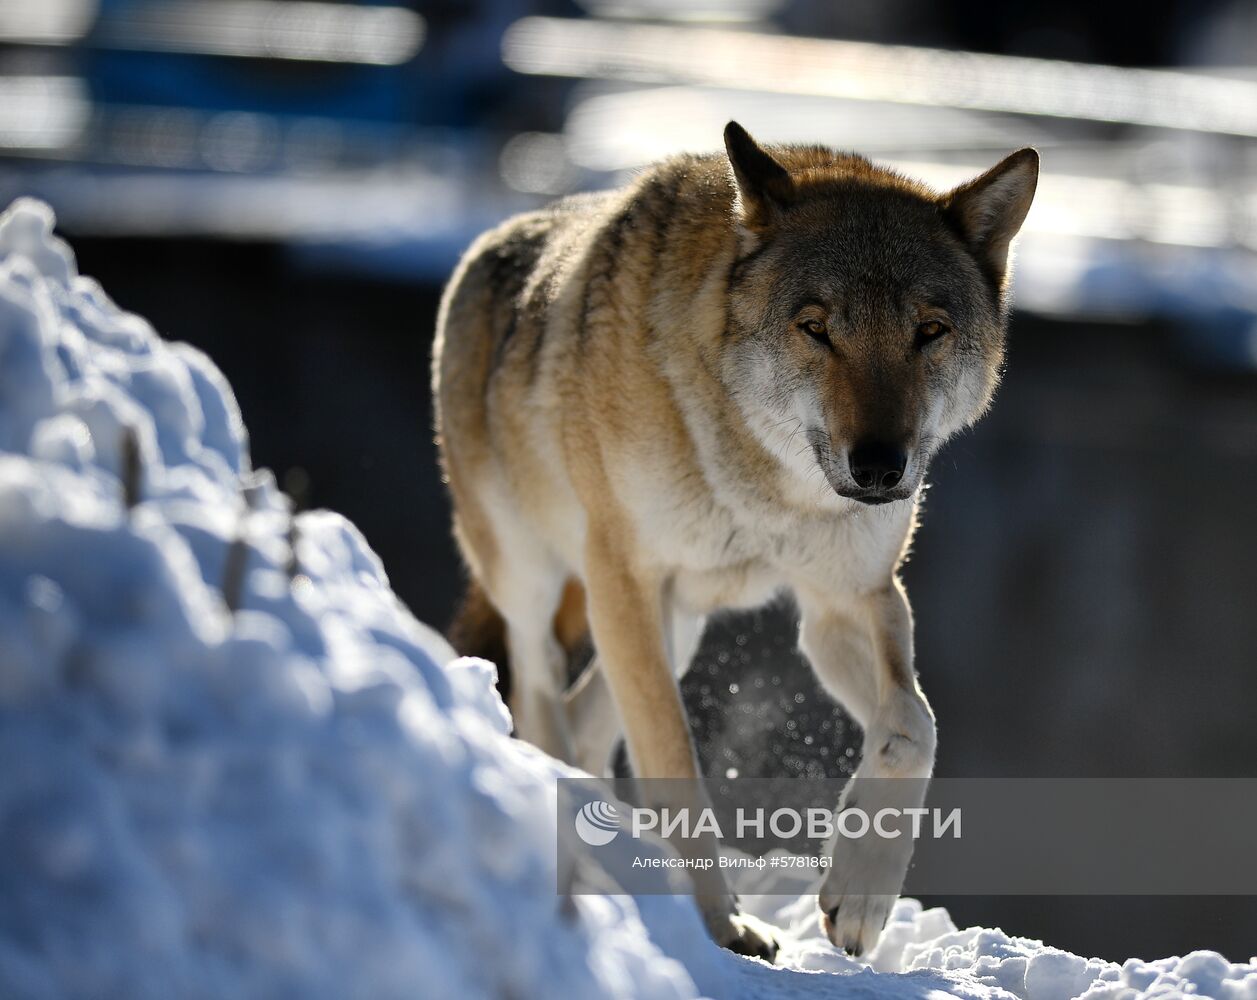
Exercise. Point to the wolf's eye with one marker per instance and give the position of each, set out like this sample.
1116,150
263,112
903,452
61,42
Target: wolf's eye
930,330
815,329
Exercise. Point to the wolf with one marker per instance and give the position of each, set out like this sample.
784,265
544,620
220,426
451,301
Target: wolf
722,382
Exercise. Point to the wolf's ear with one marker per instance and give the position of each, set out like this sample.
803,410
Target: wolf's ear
990,209
763,183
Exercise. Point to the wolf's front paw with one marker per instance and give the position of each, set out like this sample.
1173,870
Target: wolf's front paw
745,935
854,923
861,888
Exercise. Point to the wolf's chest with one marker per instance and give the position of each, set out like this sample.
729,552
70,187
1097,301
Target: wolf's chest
719,560
722,558
720,563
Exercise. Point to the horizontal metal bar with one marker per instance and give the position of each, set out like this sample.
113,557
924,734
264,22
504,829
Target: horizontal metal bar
303,30
866,71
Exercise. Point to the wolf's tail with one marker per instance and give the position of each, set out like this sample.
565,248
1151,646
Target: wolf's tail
479,630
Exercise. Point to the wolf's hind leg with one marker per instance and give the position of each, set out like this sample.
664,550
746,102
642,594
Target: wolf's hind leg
539,665
526,587
863,655
524,584
595,723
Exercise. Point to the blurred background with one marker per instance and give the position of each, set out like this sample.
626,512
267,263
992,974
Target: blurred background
286,184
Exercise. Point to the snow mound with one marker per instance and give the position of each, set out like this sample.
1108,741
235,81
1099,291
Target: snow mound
298,795
235,765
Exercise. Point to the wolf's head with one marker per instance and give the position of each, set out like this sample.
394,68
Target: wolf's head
867,313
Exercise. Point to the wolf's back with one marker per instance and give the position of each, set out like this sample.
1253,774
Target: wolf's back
545,323
501,292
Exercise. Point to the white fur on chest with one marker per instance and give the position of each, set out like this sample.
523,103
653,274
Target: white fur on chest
722,552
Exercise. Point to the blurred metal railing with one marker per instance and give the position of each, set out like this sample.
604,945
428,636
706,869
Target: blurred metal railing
748,60
370,34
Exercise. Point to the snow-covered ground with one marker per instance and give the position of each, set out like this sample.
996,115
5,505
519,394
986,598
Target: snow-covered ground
233,764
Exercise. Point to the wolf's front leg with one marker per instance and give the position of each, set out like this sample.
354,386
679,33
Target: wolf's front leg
863,654
626,615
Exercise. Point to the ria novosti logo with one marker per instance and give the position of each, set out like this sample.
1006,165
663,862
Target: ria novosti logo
597,823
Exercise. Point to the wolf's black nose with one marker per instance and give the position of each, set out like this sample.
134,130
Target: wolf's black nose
876,466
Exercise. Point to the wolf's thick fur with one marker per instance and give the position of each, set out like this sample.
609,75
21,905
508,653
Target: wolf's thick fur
722,381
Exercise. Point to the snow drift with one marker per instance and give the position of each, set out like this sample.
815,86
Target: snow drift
235,765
